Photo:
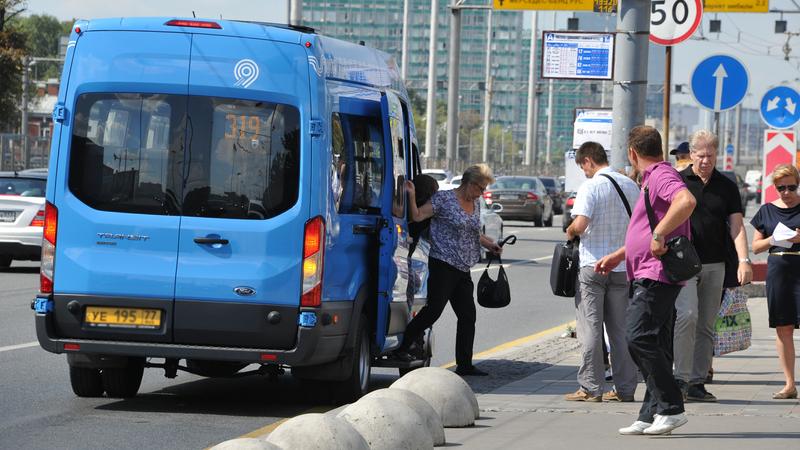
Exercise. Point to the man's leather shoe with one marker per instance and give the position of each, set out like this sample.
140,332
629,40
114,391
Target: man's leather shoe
470,371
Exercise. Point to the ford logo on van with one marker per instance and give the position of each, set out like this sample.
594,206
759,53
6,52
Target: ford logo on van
244,291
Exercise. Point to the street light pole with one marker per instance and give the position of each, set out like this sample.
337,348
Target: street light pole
430,124
530,136
487,107
453,82
404,56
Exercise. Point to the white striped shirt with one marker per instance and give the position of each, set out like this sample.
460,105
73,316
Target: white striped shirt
598,201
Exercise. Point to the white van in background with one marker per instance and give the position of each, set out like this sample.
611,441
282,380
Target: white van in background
754,184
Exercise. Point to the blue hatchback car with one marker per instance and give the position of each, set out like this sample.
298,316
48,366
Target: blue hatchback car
227,193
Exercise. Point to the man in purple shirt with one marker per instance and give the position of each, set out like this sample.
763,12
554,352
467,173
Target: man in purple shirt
650,315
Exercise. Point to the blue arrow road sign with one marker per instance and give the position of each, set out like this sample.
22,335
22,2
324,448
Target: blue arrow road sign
719,82
780,107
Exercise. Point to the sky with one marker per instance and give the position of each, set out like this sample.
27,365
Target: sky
748,37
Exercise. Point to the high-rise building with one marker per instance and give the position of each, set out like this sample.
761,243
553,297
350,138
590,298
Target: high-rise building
379,24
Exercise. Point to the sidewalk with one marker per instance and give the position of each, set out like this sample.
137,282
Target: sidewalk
531,412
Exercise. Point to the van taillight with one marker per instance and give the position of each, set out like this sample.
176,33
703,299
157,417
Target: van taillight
38,219
48,249
313,249
193,24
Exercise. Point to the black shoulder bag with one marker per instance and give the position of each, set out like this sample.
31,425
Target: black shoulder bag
681,261
619,191
495,293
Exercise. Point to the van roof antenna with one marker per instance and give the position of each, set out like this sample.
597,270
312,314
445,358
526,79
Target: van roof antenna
193,15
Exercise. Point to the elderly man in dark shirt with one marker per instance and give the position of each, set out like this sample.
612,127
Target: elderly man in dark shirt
717,218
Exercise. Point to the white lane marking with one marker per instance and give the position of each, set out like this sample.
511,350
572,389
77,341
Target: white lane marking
19,346
506,265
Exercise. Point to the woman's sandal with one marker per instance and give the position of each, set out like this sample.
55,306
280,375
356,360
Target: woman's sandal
785,395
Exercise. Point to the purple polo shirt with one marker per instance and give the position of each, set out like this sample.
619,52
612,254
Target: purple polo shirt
664,182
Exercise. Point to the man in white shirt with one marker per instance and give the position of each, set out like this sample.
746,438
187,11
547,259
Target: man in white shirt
601,219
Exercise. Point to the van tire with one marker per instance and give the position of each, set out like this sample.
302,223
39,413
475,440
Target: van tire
123,382
214,369
5,261
357,384
85,382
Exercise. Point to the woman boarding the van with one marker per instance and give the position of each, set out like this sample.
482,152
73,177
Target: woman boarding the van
455,247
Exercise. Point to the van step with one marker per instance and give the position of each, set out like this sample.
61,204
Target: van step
386,361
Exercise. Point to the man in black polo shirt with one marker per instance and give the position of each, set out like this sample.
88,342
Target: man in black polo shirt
718,215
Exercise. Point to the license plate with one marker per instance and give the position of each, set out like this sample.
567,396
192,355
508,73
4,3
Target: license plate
507,197
113,317
8,216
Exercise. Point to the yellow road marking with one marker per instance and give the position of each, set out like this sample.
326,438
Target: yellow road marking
515,343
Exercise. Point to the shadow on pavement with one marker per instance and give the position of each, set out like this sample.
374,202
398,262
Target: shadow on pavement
502,372
734,435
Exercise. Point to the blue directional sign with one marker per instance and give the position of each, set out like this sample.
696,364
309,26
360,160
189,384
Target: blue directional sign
719,82
780,107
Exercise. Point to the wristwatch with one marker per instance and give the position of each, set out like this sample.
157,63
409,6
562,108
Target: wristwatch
745,260
657,237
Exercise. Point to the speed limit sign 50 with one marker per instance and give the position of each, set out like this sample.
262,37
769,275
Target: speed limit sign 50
674,21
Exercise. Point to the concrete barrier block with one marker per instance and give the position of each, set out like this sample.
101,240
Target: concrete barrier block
446,392
245,444
418,404
387,424
317,432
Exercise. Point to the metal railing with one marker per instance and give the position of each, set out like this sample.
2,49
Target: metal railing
13,154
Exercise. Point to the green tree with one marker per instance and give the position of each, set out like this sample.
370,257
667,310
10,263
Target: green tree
42,34
12,50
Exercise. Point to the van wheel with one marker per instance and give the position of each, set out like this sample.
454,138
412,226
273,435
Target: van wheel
5,262
85,382
123,382
213,369
357,384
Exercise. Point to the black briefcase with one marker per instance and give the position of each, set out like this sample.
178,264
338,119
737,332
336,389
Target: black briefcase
564,268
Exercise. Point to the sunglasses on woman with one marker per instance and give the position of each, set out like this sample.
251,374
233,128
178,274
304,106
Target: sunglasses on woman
783,187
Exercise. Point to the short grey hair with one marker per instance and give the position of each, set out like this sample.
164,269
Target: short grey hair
478,173
701,137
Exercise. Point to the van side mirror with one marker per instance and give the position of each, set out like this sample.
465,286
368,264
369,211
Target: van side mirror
497,207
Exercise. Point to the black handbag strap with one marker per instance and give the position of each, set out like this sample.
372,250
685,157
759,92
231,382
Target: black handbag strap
651,215
619,191
510,240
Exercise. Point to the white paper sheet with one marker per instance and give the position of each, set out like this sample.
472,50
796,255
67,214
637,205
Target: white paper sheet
782,234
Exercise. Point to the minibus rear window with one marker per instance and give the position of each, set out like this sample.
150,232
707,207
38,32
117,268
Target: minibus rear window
126,152
143,153
244,161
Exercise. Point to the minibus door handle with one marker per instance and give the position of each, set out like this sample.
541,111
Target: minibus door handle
211,241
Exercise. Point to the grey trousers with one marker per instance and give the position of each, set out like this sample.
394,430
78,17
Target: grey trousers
697,307
603,299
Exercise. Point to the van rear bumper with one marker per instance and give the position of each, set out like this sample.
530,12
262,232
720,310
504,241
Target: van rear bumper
314,345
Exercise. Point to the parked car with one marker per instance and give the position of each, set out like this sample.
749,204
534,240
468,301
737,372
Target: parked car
22,199
197,210
743,192
566,219
522,198
556,192
491,223
441,176
455,182
754,184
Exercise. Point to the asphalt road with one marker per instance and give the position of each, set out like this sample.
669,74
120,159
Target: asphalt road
39,410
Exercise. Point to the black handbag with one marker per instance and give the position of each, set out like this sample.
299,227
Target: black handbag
564,268
495,293
681,261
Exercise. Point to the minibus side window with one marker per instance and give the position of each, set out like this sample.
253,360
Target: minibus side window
364,156
338,160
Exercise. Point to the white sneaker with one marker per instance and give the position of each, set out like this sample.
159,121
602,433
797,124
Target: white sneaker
637,428
665,424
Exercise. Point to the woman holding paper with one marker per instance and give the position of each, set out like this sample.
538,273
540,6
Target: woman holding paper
777,229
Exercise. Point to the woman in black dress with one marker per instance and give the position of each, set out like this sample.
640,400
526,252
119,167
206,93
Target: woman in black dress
783,268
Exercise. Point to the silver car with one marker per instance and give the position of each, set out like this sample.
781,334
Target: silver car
21,215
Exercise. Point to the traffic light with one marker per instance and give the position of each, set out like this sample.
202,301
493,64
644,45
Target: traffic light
572,24
714,26
780,26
